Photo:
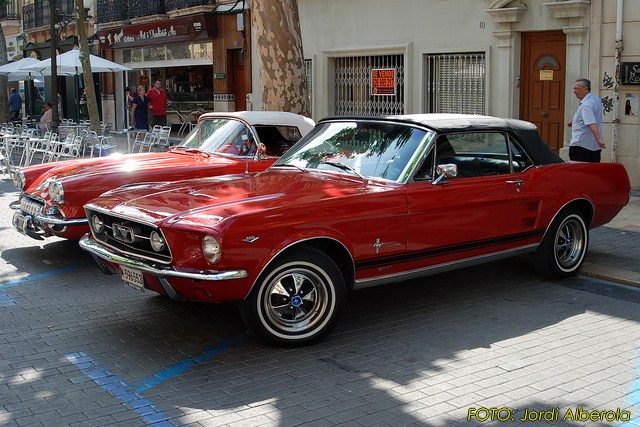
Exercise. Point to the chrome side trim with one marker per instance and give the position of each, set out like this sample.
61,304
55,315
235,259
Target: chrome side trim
54,220
100,251
441,268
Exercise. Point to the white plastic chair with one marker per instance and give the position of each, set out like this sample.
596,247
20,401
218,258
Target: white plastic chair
142,139
71,148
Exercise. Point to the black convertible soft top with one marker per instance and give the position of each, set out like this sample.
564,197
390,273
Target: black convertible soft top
525,132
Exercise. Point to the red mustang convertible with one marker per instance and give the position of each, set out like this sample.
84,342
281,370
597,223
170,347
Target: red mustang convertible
53,194
357,202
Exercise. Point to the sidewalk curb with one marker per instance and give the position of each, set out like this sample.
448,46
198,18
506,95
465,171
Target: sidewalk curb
611,274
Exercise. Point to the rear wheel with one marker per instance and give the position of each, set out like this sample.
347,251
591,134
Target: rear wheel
564,247
297,301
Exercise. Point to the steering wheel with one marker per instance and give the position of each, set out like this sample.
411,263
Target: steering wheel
247,148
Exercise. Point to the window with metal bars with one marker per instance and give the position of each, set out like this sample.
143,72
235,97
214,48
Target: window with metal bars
353,86
455,83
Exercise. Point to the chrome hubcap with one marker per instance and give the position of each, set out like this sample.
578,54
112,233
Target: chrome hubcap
295,300
570,242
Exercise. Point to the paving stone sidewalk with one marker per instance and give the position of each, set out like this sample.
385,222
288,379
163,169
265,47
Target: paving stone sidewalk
614,251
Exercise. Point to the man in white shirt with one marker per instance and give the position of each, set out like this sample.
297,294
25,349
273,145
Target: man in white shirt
586,127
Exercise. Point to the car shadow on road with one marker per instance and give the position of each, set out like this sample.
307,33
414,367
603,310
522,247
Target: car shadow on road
45,256
389,338
402,354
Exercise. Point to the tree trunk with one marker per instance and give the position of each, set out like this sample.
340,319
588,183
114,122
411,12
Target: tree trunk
283,80
87,75
4,104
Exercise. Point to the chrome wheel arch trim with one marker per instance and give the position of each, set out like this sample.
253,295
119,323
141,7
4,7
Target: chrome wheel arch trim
564,206
299,242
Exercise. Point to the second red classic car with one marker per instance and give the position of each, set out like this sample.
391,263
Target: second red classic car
53,194
357,202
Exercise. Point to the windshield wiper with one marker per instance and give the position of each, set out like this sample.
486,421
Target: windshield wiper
288,165
194,150
344,168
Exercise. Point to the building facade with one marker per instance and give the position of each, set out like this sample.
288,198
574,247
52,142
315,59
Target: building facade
200,50
197,48
507,58
11,19
510,58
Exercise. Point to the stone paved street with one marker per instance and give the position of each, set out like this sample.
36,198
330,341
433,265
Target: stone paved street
77,348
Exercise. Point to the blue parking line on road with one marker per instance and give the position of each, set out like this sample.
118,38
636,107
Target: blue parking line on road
633,398
180,367
120,390
6,300
130,395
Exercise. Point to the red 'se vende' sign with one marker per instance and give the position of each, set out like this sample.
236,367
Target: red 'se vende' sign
383,81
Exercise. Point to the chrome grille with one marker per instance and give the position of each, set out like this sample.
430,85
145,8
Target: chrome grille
130,237
31,206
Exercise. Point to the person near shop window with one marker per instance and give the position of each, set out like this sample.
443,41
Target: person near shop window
158,103
140,110
15,102
47,115
128,102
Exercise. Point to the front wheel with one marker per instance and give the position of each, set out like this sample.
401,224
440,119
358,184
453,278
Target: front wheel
297,301
564,247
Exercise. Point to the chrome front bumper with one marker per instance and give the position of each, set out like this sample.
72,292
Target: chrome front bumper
43,219
102,252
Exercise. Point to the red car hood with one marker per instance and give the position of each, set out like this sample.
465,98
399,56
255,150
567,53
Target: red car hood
210,200
126,165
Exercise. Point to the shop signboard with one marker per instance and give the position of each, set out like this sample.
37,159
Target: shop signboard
630,72
171,31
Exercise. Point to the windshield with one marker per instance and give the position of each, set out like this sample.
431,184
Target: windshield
368,149
221,136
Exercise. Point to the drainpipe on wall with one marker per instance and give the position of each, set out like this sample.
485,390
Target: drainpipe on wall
616,87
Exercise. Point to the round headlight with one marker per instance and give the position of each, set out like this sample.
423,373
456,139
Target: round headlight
157,242
19,180
211,249
96,224
56,192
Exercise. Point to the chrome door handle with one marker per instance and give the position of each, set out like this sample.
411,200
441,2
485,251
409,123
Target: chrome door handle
518,183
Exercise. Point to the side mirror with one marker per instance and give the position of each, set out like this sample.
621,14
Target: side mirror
261,151
445,170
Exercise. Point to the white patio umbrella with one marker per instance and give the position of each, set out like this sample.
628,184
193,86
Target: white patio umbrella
15,71
68,63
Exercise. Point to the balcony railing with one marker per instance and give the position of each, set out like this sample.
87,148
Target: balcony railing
10,11
38,15
112,11
120,10
183,4
139,8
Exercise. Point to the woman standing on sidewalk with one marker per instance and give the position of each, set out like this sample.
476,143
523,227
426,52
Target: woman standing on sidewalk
140,110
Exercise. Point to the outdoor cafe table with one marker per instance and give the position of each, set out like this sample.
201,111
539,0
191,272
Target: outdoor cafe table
29,144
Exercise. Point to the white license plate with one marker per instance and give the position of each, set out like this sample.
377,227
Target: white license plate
19,222
132,278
